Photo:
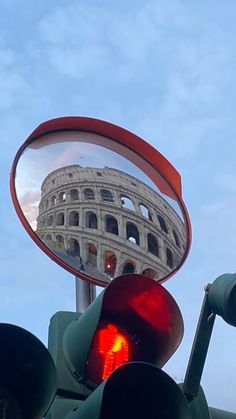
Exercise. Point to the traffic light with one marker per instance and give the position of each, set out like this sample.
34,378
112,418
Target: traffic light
108,359
219,299
222,297
27,375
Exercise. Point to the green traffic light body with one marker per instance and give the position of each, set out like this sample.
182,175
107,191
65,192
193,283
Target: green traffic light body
133,319
28,379
222,297
143,312
198,405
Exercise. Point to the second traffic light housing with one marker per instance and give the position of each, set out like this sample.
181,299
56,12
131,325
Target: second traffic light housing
27,374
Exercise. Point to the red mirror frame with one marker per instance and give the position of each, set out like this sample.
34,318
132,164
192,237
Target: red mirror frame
122,139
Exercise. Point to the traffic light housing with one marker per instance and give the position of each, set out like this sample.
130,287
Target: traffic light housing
27,375
135,323
222,297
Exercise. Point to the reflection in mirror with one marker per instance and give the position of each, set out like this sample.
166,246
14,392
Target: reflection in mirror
97,212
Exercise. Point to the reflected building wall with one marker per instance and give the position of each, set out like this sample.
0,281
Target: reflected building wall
106,222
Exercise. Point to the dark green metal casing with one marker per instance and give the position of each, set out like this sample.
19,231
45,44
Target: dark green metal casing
135,390
27,374
222,297
134,302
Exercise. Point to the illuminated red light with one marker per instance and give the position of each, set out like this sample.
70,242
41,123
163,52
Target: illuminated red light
114,348
110,349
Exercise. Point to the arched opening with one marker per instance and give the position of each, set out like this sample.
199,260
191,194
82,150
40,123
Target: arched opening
106,195
92,254
128,268
111,225
48,237
60,219
176,238
88,194
62,197
109,263
152,244
53,200
91,220
145,212
74,248
60,241
73,218
162,224
41,223
50,221
150,272
132,233
169,258
74,195
127,203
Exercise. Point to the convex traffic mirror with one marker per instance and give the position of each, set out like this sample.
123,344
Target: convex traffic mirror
100,201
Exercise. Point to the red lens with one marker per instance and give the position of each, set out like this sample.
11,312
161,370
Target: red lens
109,350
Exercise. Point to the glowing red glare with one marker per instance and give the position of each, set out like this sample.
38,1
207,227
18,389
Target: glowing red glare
114,348
148,302
108,265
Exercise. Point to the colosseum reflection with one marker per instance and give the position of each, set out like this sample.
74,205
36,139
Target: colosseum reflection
105,222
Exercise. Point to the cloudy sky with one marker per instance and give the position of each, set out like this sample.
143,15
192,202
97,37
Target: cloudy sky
163,69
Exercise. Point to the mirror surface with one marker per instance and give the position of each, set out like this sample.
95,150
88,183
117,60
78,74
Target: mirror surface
97,211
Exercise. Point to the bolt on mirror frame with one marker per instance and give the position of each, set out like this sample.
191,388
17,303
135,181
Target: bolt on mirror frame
124,143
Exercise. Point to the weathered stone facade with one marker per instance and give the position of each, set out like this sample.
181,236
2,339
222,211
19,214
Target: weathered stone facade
106,222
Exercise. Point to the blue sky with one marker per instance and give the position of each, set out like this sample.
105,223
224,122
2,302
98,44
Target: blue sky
165,70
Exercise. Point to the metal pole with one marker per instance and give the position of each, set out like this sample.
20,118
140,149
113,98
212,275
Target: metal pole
199,349
85,294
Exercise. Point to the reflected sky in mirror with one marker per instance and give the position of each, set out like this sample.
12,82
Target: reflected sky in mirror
36,163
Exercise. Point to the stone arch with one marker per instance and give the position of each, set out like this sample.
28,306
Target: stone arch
91,220
145,211
74,195
109,262
132,233
74,218
128,267
92,254
53,200
50,220
127,203
62,197
176,238
162,224
111,225
74,247
88,194
152,244
169,257
60,241
106,195
60,220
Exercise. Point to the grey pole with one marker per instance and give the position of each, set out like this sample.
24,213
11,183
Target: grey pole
85,294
